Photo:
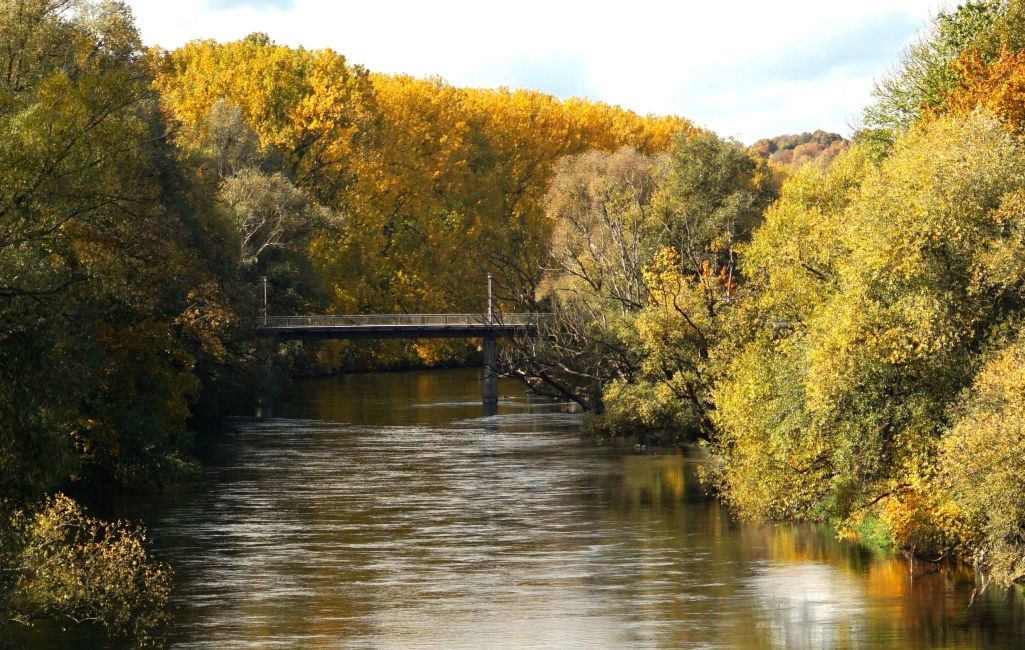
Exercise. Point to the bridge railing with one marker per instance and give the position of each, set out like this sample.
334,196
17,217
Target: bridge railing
365,320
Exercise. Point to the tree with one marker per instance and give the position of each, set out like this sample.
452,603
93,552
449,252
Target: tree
713,197
267,212
925,74
80,226
97,263
312,107
605,227
997,87
61,564
604,230
874,287
980,468
643,262
796,150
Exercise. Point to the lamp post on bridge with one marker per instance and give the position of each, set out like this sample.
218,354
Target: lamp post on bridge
264,281
491,320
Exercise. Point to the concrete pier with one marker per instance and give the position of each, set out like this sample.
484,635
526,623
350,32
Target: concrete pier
490,382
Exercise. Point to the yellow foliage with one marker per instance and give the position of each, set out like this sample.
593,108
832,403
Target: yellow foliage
981,465
70,567
438,185
312,107
874,285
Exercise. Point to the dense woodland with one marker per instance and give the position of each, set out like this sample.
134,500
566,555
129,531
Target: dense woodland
840,323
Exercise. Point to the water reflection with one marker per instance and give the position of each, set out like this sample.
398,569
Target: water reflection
392,511
810,605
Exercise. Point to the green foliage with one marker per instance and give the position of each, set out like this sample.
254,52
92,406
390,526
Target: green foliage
874,532
644,260
1007,30
716,190
92,368
644,410
713,198
927,72
113,305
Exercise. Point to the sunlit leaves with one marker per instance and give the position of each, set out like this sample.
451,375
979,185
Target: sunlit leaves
644,259
875,286
981,462
926,72
997,87
67,566
312,107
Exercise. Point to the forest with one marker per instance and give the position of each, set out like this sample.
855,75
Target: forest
839,323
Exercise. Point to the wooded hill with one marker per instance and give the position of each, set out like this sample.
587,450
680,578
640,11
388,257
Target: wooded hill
797,150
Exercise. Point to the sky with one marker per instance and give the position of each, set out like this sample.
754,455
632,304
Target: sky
745,69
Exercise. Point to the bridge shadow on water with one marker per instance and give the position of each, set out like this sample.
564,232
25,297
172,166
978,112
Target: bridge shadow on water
416,398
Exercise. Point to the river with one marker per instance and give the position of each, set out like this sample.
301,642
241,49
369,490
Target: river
387,511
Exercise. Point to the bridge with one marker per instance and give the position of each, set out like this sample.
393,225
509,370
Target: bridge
489,327
401,326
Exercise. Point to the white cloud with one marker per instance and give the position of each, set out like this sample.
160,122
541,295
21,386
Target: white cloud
744,68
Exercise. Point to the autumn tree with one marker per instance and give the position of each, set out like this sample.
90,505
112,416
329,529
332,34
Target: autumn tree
862,338
312,107
643,262
455,190
81,232
438,185
926,72
96,352
713,197
62,565
796,150
980,490
605,230
997,87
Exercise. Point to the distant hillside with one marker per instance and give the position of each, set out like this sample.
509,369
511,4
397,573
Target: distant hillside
796,150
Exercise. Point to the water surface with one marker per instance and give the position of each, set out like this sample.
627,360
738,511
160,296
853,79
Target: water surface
388,511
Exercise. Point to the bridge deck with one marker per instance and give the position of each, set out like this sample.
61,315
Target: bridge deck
403,326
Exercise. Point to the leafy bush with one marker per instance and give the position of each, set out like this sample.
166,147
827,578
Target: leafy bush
64,565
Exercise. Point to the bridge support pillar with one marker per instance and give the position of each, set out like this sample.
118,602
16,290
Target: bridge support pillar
490,383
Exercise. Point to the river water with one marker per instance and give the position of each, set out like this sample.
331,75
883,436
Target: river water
388,511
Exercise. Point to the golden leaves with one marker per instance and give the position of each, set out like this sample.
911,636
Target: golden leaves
996,86
70,566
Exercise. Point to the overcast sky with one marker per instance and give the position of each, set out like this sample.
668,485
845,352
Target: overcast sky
747,69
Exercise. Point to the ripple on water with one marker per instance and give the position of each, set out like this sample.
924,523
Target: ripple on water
390,512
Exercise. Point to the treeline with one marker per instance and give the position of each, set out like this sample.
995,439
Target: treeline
434,186
851,349
797,150
144,195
